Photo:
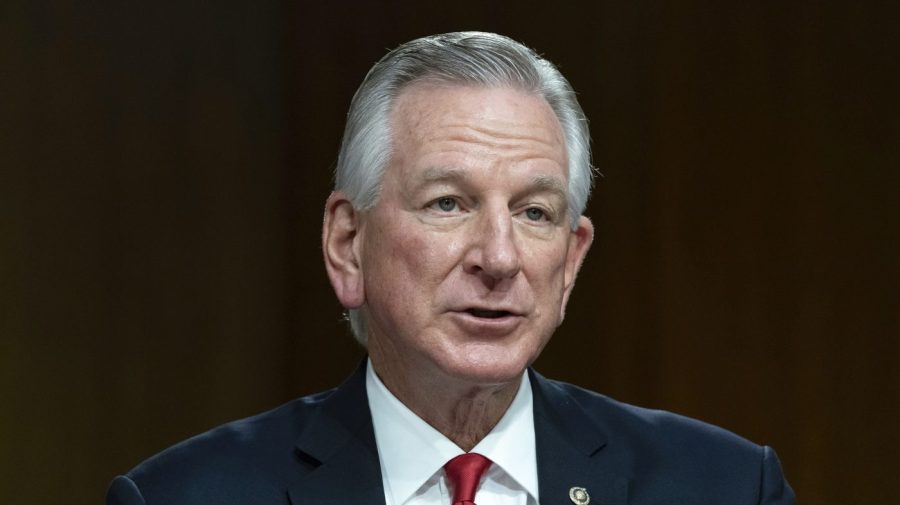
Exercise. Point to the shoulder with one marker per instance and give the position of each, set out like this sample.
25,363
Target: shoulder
636,424
665,454
665,427
233,463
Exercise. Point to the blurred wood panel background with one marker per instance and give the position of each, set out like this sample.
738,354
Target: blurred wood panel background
163,169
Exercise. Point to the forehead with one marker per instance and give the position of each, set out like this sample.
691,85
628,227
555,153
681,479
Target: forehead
429,115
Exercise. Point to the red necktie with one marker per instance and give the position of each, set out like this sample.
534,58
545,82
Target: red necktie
464,472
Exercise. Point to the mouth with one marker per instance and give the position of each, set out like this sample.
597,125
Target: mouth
496,322
489,314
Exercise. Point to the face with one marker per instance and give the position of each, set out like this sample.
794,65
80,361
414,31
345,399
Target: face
466,261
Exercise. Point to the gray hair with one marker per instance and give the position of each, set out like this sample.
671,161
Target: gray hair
465,58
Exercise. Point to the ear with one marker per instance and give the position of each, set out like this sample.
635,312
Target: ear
340,237
579,242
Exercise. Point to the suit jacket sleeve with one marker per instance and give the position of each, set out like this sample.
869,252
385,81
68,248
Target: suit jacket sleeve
123,491
774,489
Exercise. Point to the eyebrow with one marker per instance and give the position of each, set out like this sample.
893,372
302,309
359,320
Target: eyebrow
550,184
538,183
441,174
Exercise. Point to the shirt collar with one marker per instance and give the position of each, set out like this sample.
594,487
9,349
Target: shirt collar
411,451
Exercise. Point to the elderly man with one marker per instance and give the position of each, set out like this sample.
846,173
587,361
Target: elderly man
453,237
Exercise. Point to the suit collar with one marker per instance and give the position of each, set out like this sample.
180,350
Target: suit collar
570,449
339,443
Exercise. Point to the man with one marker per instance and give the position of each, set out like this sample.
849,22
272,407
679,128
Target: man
453,237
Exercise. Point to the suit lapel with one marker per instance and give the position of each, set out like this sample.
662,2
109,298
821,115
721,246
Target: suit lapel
570,450
339,443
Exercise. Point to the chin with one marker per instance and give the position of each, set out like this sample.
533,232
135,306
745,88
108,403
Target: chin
487,368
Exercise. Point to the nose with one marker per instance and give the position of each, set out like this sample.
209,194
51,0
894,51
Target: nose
493,253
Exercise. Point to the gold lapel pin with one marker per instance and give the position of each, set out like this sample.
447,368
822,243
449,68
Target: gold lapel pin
579,496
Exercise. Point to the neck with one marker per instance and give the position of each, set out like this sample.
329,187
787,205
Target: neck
463,412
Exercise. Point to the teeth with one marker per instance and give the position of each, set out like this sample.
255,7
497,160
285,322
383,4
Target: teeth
491,314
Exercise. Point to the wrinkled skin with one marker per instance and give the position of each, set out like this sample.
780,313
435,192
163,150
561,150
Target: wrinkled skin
464,266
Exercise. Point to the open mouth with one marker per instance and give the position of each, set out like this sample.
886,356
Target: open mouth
488,314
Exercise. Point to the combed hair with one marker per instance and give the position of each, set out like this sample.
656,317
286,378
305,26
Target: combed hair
461,58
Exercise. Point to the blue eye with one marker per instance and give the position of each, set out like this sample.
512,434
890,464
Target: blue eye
446,204
535,214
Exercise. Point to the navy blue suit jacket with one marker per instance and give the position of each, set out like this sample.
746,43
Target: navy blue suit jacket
321,450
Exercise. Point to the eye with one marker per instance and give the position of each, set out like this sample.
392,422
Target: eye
535,214
445,204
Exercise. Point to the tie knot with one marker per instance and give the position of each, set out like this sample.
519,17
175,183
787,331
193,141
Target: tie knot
465,472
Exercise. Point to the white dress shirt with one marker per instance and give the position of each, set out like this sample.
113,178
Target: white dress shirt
412,453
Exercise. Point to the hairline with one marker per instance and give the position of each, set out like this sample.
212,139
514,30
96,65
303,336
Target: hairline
444,81
477,59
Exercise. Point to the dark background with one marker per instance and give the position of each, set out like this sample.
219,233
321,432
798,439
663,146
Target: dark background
165,166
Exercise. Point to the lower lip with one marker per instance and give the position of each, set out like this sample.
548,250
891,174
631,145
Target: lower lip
493,326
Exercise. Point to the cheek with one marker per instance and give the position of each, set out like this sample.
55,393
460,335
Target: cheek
547,266
418,253
429,252
406,259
